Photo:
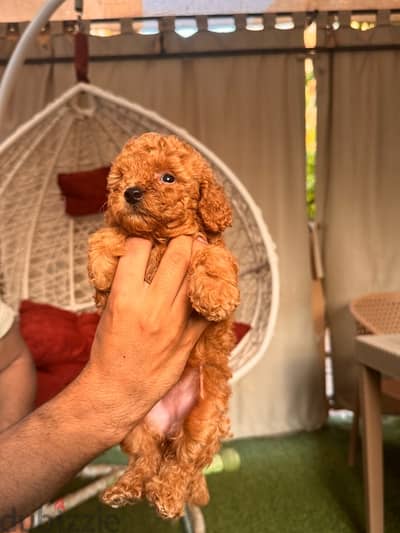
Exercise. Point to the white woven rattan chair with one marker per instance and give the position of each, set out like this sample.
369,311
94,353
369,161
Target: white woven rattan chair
43,250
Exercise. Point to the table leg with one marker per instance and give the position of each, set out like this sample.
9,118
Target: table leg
372,448
354,435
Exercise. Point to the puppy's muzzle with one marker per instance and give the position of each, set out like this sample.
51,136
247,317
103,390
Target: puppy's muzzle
133,195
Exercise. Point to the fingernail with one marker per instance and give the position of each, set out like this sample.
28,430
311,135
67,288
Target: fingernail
201,239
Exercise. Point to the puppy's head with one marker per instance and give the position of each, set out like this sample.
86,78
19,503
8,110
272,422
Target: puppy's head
160,186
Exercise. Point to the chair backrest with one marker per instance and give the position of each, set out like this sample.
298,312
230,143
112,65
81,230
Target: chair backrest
377,313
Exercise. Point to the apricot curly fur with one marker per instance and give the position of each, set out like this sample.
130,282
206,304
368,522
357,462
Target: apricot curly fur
167,469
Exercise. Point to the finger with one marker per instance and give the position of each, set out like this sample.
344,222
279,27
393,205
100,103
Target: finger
195,328
171,272
182,305
131,268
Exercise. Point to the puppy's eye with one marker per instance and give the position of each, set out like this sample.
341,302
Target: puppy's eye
167,178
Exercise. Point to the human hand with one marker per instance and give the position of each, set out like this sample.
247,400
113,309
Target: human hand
145,334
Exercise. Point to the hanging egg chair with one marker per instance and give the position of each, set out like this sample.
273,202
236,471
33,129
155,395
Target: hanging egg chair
43,250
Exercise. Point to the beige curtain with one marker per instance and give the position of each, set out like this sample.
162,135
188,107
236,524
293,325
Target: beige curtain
358,175
249,109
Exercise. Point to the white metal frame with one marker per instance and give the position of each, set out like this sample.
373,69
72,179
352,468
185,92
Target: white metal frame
21,50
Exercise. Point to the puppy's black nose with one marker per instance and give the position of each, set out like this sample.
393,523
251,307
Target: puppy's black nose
133,195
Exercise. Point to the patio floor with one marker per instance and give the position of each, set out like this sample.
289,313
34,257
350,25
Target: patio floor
298,483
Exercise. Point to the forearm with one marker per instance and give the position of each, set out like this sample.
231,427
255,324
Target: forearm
43,451
17,390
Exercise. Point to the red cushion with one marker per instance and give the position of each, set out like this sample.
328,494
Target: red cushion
60,343
56,336
85,192
240,330
49,383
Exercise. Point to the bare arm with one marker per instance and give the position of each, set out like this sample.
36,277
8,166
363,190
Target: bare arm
44,450
139,353
17,378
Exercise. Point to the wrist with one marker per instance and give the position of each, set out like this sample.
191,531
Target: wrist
104,406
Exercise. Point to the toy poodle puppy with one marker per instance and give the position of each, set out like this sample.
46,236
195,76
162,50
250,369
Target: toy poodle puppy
160,187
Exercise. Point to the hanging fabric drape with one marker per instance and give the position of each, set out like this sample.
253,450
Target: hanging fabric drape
249,110
358,175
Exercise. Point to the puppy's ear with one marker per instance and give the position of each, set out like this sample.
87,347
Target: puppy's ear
113,177
214,208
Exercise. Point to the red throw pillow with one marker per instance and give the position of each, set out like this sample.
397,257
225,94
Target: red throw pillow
50,382
85,192
240,330
55,336
60,343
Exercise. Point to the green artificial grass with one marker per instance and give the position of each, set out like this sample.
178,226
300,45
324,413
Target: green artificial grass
291,484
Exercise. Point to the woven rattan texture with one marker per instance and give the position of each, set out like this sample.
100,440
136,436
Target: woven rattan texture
377,313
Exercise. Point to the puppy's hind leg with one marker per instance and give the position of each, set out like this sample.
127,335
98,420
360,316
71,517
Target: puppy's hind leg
198,491
178,479
144,450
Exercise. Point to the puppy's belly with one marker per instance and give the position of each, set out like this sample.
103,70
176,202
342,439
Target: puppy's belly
167,416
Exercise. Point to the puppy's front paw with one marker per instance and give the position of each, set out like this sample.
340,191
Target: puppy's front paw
104,248
213,298
101,272
213,285
100,299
